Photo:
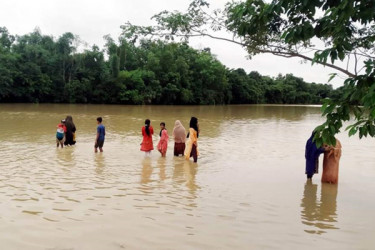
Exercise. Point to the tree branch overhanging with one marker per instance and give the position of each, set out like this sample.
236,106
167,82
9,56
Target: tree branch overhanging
292,54
287,54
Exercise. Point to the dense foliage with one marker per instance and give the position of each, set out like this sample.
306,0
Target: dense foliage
39,68
344,30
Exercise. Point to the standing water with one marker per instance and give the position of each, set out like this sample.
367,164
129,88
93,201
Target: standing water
247,191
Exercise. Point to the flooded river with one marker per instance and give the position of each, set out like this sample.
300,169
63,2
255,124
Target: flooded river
247,191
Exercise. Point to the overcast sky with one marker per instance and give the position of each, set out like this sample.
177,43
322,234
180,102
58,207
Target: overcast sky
92,19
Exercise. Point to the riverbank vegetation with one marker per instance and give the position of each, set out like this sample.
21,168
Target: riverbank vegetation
40,68
321,32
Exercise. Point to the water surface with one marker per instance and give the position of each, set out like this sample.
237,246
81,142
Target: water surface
247,191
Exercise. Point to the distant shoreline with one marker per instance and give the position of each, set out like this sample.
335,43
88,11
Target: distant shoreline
166,105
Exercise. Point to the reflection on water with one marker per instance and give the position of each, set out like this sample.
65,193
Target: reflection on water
65,156
161,163
184,173
146,170
190,171
99,163
319,214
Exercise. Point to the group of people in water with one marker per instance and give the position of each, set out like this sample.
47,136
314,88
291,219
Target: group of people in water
187,148
65,136
332,155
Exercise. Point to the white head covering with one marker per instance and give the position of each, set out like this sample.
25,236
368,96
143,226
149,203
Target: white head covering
179,132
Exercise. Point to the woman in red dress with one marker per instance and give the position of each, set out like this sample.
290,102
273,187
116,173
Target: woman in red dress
147,132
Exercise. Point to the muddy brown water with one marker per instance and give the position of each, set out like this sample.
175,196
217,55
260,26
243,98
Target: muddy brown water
247,191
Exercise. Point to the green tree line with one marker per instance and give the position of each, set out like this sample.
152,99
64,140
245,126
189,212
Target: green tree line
39,68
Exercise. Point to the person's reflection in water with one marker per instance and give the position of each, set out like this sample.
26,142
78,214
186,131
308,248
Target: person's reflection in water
184,175
190,171
99,164
328,205
66,157
161,165
319,214
178,171
146,171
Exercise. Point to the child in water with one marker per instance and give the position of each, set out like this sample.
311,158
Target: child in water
163,143
60,134
100,135
147,131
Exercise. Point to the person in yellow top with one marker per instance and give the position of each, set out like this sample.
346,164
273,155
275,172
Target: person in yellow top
191,149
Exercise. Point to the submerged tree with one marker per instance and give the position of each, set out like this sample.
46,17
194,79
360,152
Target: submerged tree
290,28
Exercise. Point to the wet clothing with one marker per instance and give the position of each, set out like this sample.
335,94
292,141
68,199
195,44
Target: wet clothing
99,143
331,164
179,135
60,140
70,133
192,145
163,143
60,133
101,131
179,132
179,148
147,144
312,153
194,153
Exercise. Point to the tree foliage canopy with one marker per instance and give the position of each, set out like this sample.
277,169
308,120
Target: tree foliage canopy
39,68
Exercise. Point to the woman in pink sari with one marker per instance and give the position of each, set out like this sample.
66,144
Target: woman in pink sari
163,143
